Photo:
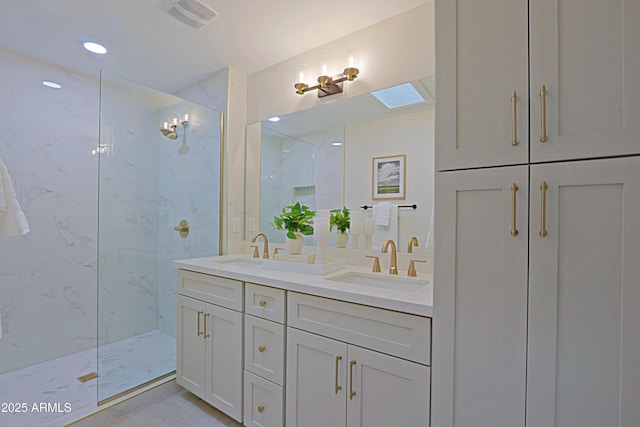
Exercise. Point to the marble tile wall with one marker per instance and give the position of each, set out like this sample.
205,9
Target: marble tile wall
48,292
47,277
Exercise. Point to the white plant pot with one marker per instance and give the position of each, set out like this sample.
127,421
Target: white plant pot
341,239
294,246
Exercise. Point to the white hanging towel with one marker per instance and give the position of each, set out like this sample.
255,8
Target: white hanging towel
389,231
382,213
12,219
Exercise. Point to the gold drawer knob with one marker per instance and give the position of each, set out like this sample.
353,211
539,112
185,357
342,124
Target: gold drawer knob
261,349
262,303
260,408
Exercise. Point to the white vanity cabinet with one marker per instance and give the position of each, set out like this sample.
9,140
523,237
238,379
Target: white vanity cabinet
332,379
210,348
264,356
493,59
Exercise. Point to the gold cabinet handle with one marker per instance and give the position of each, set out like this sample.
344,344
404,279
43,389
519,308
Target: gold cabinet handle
205,325
199,331
262,348
351,392
514,228
543,221
260,408
543,114
514,119
262,303
338,386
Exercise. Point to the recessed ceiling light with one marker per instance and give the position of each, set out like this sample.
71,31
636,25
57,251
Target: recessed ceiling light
95,48
337,143
274,119
398,96
52,85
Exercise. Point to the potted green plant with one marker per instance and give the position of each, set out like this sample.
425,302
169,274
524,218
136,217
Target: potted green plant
297,220
341,219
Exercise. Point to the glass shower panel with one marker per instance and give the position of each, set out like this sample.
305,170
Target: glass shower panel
159,168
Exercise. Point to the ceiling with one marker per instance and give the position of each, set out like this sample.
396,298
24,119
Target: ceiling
147,45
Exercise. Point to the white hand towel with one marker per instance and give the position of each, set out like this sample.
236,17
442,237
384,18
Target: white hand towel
381,213
386,232
12,219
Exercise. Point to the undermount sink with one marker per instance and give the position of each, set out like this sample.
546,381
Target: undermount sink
238,261
381,280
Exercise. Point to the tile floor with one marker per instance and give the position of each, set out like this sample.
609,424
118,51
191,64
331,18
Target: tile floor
55,382
178,410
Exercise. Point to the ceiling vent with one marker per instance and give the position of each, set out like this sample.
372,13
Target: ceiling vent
193,13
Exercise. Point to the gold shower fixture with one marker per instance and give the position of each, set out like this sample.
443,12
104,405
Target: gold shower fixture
169,129
327,84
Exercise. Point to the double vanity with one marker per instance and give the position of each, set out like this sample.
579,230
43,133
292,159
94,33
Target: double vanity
271,347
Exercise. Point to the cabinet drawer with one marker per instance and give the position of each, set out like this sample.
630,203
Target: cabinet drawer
212,289
264,348
265,302
398,334
263,402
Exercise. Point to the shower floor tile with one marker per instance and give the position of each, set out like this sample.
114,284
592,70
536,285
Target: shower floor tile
51,390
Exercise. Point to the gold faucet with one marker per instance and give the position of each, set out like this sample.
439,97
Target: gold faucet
265,251
393,263
413,242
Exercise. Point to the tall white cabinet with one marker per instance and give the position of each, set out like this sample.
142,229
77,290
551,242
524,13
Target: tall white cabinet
538,214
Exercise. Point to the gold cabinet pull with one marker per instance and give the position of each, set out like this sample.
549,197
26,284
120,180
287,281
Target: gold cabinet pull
199,331
205,325
543,221
338,386
262,303
262,348
514,228
514,119
543,114
260,408
351,392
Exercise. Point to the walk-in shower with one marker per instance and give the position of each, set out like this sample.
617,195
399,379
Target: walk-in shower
87,298
148,186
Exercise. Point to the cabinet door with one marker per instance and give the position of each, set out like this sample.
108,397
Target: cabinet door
316,380
190,370
482,51
480,298
584,293
384,391
223,335
587,54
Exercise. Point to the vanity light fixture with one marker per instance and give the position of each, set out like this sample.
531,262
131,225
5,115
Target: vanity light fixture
169,129
328,84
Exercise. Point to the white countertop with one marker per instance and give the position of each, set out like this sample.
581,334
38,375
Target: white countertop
419,301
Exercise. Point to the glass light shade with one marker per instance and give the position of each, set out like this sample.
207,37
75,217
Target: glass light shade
324,67
298,76
351,56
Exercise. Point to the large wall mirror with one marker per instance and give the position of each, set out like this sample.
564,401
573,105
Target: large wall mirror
327,157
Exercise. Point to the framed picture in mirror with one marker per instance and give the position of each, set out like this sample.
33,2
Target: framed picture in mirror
389,177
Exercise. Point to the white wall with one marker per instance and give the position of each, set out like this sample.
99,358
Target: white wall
48,277
386,58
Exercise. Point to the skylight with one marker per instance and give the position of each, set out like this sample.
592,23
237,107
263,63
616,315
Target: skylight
398,96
